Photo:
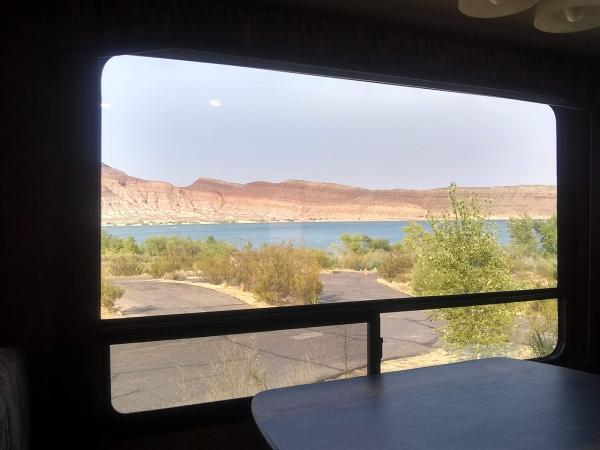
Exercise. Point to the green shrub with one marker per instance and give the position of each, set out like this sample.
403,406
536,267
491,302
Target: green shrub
124,264
162,265
522,236
532,271
365,261
548,234
175,254
216,268
396,266
110,244
361,243
109,293
543,322
284,274
324,260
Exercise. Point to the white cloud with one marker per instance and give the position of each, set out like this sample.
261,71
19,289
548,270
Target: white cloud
215,102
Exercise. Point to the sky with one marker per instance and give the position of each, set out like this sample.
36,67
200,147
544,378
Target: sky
176,121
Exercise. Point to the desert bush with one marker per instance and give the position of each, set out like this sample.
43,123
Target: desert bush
216,268
159,266
110,244
124,264
284,274
543,322
238,371
178,275
109,293
244,264
324,259
362,244
396,265
362,261
531,271
175,254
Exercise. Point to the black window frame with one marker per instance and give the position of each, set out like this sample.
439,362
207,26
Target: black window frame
218,323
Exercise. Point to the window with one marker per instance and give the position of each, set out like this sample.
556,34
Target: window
161,374
237,191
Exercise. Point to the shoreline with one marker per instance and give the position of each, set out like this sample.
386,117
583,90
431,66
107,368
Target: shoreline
250,222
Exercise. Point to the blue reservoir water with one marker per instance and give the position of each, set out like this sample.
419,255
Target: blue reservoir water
310,234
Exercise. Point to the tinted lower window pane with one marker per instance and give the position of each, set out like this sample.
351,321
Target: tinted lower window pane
155,375
426,338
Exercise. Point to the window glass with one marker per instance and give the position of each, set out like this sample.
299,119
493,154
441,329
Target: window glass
428,338
227,187
155,375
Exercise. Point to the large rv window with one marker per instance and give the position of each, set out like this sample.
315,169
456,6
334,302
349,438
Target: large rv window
228,188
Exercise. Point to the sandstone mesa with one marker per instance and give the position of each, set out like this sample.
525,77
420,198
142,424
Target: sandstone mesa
127,200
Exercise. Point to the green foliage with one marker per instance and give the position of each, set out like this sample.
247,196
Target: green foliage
531,271
284,274
109,293
276,273
361,244
522,235
124,264
367,261
548,235
477,326
362,252
543,323
532,252
462,255
415,239
110,244
217,267
172,255
397,265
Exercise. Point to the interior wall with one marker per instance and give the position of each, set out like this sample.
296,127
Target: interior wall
51,144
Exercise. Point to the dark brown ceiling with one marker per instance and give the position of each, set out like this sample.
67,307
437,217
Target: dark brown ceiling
443,16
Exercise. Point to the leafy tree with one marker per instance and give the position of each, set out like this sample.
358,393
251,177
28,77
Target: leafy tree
415,238
462,255
110,244
361,244
522,235
547,232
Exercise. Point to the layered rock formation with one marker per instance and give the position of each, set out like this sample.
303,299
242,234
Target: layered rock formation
130,200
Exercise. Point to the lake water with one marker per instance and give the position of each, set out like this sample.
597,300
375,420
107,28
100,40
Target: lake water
310,234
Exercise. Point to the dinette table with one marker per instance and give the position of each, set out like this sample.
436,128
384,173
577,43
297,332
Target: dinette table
495,403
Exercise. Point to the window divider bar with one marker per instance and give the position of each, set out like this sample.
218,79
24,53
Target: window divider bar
374,344
182,326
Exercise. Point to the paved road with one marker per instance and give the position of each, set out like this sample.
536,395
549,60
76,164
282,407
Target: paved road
162,374
147,297
354,286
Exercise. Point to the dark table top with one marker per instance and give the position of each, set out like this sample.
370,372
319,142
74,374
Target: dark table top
495,403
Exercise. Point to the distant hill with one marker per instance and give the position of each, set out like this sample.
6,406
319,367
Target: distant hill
130,200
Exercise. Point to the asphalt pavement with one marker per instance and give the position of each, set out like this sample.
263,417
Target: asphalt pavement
162,374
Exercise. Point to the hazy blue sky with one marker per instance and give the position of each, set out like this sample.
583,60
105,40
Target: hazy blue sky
176,121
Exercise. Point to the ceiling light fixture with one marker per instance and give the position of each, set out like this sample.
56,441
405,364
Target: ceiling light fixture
567,16
488,9
551,16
